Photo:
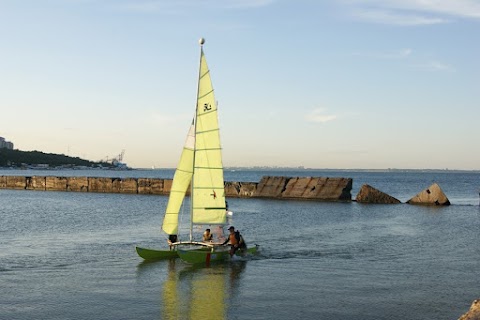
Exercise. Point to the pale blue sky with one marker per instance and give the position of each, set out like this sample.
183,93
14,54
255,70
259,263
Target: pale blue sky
321,84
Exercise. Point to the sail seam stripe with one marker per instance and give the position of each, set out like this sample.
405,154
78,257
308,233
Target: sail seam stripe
206,113
209,187
209,149
206,131
206,94
203,75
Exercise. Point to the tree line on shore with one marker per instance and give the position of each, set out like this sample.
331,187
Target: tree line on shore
19,159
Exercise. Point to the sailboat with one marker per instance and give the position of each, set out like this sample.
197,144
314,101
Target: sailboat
201,168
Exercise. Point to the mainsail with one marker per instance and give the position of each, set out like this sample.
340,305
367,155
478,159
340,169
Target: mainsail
208,206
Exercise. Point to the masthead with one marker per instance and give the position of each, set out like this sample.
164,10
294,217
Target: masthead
201,41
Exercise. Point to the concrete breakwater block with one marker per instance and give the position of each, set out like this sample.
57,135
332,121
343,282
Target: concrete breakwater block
432,196
153,186
36,183
15,182
125,185
369,194
271,187
55,183
240,189
100,185
306,188
77,184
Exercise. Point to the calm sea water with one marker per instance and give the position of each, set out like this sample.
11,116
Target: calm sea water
71,255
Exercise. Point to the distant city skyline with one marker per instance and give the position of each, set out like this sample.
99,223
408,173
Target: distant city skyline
321,84
5,144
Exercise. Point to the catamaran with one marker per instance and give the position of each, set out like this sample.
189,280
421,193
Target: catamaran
201,168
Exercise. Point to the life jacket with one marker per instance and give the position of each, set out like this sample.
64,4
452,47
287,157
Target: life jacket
233,238
240,241
207,237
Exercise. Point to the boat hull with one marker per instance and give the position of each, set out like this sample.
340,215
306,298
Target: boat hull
207,256
152,254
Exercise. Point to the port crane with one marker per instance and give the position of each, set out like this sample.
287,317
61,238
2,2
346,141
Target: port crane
116,161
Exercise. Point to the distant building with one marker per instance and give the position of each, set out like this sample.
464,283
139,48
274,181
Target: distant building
6,144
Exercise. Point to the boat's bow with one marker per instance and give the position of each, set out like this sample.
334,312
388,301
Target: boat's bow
153,254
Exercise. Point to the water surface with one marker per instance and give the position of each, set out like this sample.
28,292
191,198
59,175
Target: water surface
71,256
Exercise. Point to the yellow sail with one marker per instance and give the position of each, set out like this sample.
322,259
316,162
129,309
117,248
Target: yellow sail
181,181
208,184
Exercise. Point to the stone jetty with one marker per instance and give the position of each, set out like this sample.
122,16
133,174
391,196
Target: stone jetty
369,194
306,188
87,184
433,195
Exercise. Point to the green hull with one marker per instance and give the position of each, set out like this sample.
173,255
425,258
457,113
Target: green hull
151,254
206,256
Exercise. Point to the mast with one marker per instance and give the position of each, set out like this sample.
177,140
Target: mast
201,41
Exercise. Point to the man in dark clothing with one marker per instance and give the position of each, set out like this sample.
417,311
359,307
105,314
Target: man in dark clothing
236,241
172,239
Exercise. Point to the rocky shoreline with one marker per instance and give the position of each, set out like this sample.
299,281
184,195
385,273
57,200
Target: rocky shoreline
473,313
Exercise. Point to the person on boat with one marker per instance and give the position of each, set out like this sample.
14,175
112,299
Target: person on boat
219,234
236,241
172,239
207,236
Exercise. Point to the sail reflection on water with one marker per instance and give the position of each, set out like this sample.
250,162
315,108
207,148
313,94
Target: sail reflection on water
170,306
197,293
208,295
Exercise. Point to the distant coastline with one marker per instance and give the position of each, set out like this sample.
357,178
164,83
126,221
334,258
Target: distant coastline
37,160
389,170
